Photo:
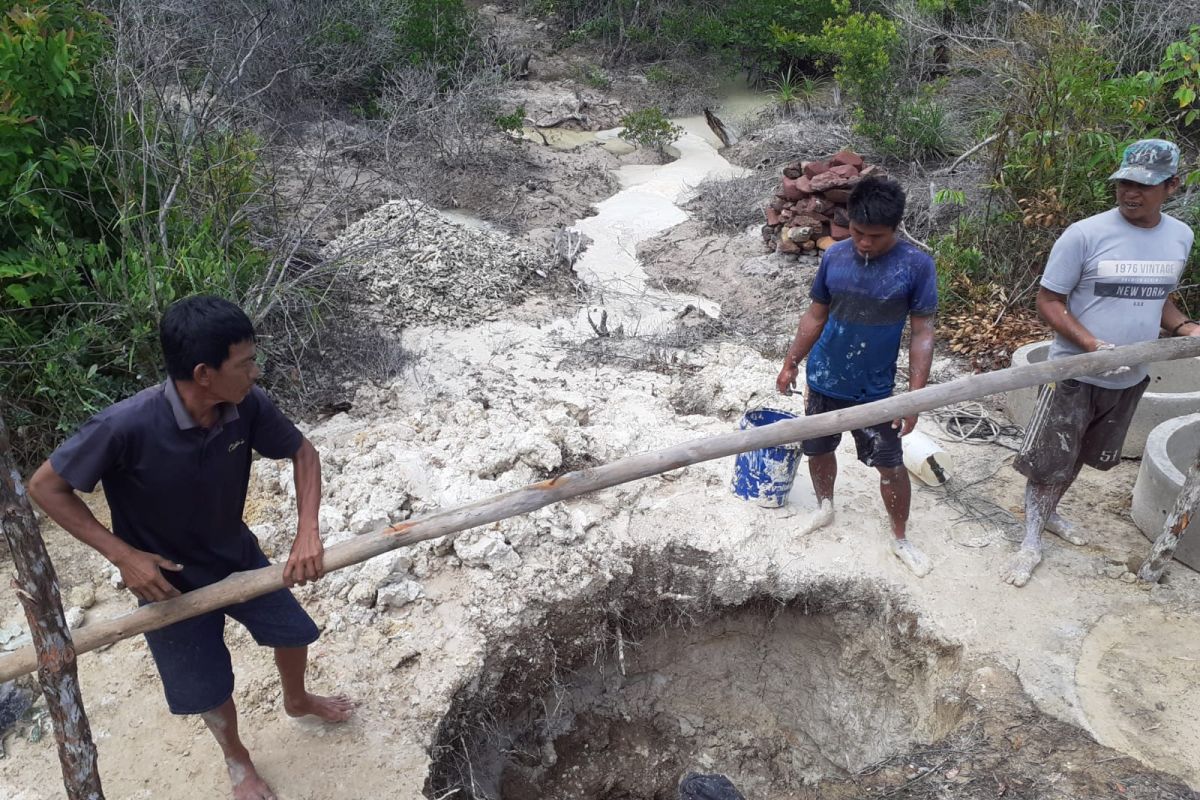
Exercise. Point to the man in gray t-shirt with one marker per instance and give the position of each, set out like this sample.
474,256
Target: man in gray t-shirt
1107,282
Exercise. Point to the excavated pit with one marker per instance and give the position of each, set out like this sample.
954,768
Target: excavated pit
620,696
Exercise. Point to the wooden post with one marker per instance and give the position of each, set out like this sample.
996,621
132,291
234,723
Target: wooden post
244,585
1177,521
37,588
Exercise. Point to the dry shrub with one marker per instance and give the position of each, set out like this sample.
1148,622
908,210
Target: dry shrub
730,205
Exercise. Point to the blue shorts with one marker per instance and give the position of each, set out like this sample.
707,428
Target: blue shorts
192,658
877,445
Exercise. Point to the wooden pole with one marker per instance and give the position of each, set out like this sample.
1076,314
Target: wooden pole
37,588
1177,521
245,585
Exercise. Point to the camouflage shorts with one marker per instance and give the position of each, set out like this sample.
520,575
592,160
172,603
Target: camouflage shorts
1076,423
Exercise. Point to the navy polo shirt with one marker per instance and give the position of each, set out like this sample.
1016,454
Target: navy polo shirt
174,488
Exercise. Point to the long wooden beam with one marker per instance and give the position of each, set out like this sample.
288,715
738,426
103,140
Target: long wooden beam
245,585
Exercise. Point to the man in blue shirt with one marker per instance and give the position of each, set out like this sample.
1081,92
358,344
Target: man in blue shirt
174,461
864,291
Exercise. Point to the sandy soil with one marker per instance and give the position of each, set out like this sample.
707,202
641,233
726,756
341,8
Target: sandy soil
499,405
485,410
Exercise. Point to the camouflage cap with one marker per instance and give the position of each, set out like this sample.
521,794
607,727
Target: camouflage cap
1148,161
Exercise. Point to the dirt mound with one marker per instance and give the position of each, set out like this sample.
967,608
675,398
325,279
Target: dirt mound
410,261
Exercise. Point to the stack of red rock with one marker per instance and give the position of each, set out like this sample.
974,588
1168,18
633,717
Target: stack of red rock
808,213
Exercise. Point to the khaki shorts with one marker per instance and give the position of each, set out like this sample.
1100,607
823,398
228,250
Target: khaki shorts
1076,423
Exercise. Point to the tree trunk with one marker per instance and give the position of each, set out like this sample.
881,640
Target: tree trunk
37,588
246,585
1177,521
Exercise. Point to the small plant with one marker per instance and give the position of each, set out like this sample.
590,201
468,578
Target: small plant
664,76
785,92
950,197
960,269
790,89
649,127
511,123
596,77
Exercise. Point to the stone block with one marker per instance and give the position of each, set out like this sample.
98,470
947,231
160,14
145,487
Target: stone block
788,246
838,195
845,170
841,217
847,158
838,232
773,217
825,242
831,180
807,220
788,190
815,168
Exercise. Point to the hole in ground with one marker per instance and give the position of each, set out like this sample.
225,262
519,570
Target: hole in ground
616,700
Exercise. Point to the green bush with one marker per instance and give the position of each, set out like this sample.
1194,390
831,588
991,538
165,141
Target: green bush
1068,120
47,53
1180,74
860,48
755,35
649,127
430,31
917,127
96,239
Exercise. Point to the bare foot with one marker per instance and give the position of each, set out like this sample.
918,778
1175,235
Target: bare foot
821,517
247,785
911,557
1021,567
1065,530
331,709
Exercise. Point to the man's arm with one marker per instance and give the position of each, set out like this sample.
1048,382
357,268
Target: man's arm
812,322
920,361
1176,323
307,559
1052,307
140,570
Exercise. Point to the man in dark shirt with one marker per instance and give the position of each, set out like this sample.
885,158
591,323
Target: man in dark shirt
174,461
864,291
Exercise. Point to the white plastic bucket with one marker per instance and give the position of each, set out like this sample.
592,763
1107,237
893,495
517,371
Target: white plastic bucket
926,459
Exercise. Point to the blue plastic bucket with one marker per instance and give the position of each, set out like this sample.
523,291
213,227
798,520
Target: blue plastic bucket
765,477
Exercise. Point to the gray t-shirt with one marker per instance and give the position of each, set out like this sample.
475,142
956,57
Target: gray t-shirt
1116,277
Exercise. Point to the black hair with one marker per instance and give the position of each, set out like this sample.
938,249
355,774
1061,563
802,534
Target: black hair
200,330
877,201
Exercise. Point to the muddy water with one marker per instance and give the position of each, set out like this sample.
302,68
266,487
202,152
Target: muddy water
648,204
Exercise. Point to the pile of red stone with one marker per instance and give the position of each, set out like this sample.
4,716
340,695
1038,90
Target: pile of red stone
808,212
